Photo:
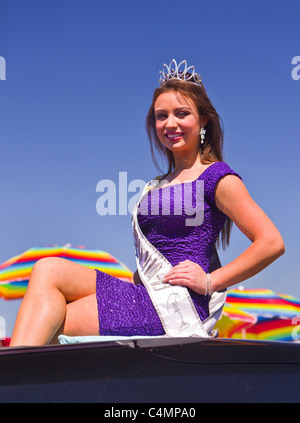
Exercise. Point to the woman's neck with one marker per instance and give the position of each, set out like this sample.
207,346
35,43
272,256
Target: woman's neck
186,162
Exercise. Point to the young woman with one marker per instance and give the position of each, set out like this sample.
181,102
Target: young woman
63,297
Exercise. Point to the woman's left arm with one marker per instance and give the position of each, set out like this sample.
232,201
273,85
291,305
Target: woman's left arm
233,199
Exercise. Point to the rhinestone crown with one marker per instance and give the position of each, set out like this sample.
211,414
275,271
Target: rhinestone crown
181,71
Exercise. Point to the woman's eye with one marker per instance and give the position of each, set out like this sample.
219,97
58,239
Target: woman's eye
161,116
183,114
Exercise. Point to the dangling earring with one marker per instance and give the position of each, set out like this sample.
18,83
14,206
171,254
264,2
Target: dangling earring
202,136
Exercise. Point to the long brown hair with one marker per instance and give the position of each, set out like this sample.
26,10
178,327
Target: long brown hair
213,147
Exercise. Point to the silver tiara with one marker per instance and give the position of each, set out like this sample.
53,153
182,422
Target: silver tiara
181,71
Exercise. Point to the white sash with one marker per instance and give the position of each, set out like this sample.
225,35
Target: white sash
173,303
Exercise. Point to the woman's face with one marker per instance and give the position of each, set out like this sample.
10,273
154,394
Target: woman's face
177,122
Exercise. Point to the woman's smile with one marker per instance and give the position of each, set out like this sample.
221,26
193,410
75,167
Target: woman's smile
174,136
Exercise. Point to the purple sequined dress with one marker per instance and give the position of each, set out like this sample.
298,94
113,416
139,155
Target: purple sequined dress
126,309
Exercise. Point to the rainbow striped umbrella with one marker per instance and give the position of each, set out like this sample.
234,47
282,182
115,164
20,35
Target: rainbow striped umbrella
273,329
264,303
15,272
273,312
234,320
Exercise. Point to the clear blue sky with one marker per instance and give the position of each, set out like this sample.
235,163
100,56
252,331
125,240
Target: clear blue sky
79,81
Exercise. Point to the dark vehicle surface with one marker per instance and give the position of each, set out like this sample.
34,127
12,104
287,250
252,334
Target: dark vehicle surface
152,371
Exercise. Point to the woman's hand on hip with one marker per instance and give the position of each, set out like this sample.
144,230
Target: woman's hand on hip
189,274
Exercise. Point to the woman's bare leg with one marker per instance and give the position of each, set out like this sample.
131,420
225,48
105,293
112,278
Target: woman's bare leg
54,282
81,318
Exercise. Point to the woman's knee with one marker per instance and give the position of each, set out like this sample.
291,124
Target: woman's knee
45,270
46,265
